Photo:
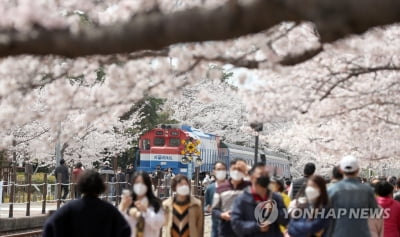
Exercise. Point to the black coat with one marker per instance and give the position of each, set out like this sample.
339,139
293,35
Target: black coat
62,170
243,216
87,217
297,186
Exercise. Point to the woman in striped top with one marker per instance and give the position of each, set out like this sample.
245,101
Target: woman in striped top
184,212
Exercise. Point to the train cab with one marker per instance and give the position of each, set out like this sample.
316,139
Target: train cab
162,147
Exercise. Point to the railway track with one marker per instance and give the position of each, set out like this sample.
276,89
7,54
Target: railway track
30,233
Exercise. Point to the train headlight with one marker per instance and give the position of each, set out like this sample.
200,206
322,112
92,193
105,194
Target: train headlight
185,160
199,161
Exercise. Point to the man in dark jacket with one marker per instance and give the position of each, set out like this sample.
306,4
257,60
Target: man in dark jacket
120,181
88,216
300,183
108,173
130,171
250,208
62,176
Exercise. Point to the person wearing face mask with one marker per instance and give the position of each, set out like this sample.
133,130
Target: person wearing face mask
225,195
220,175
183,211
315,202
142,209
245,219
278,185
206,181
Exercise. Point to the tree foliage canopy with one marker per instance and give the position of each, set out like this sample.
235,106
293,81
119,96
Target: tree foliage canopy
323,73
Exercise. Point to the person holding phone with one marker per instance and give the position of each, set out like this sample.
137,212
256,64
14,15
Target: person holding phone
142,209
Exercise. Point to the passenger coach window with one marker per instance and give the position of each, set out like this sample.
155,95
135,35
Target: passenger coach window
146,144
159,141
174,141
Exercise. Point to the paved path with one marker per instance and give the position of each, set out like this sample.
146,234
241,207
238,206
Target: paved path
36,210
20,209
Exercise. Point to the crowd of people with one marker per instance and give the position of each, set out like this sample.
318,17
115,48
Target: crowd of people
66,178
247,202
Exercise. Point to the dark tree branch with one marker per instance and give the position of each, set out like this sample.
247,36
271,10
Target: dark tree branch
363,106
155,30
337,19
288,60
357,72
238,62
33,137
388,121
151,31
134,56
190,68
293,59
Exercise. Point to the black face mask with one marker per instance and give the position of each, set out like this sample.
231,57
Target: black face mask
263,181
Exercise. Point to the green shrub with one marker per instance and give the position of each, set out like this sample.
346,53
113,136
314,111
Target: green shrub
36,178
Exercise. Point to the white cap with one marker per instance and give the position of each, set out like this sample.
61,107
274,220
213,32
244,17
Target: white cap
349,164
107,162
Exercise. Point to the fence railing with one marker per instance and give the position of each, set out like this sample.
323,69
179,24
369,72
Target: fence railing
28,193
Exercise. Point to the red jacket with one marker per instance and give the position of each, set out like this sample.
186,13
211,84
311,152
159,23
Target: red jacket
392,223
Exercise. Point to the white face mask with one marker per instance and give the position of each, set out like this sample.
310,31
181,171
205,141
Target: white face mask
139,189
312,193
183,190
237,175
220,174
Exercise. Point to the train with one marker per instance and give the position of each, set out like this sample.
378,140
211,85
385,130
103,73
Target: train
183,148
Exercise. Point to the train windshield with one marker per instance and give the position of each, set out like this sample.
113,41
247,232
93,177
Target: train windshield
174,142
159,141
145,144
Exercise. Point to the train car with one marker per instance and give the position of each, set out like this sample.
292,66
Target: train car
277,163
162,147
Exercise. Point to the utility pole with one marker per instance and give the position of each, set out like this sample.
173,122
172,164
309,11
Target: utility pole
257,127
256,149
58,146
58,153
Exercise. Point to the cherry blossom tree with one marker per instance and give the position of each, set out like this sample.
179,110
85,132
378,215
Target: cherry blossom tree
327,71
214,107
